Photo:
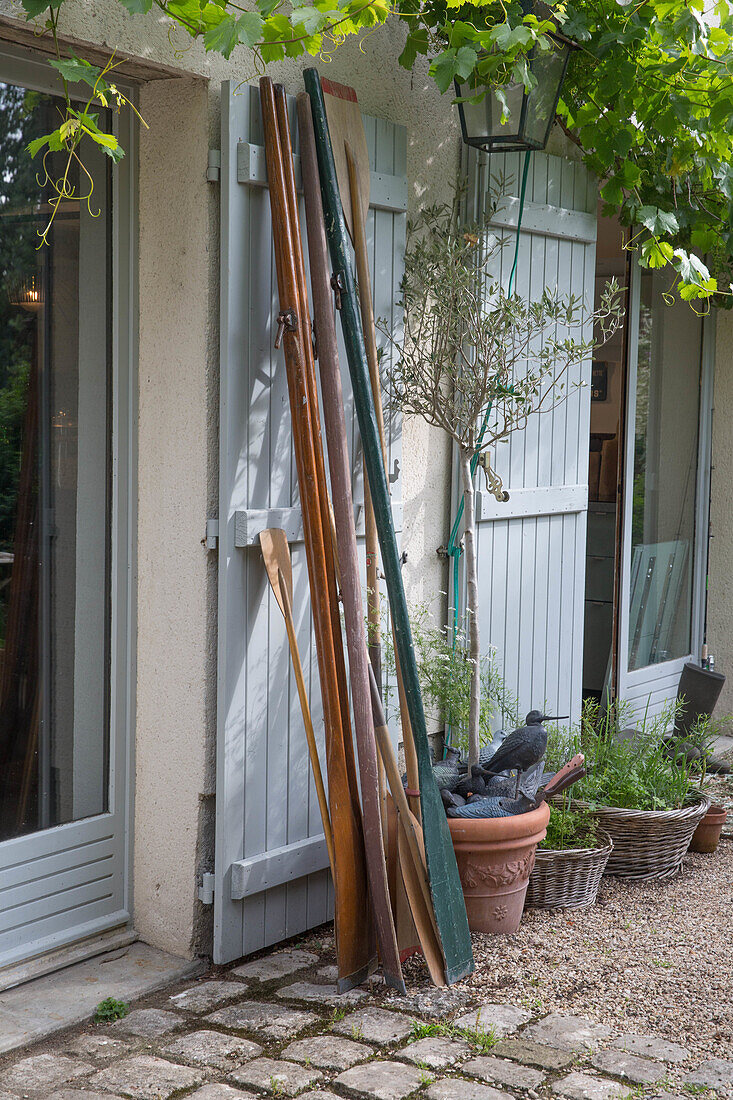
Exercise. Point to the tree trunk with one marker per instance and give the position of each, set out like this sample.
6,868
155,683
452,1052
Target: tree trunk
474,639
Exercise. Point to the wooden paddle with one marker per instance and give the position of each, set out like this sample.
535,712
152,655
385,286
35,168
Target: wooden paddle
444,880
351,156
345,534
354,933
276,555
411,848
345,126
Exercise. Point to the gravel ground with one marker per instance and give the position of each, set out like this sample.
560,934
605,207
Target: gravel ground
649,957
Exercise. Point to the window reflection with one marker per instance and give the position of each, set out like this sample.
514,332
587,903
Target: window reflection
54,486
665,477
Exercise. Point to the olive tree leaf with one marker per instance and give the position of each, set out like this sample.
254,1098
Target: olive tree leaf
137,7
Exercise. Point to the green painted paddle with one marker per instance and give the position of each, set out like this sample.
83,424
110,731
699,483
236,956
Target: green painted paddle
445,885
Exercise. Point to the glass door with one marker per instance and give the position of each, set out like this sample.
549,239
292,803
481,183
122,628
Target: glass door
62,758
665,506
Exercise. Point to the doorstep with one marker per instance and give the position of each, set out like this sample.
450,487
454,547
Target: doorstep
51,1003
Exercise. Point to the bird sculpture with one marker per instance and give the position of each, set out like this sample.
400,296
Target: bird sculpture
523,748
475,784
500,806
451,800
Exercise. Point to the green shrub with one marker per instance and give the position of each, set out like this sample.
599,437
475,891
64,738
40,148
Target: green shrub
636,772
110,1009
570,827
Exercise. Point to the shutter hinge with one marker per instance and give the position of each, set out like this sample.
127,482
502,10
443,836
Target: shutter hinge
212,534
213,169
206,889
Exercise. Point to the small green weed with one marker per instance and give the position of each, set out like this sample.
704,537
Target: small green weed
482,1040
426,1079
337,1014
109,1010
276,1086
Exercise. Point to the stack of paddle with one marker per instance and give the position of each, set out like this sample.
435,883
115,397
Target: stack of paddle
396,882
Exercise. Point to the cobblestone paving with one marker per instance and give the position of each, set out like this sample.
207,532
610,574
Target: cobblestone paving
275,1027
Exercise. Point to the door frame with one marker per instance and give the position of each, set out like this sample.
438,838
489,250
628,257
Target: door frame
26,69
665,676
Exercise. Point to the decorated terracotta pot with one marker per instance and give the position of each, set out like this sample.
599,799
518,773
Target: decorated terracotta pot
495,858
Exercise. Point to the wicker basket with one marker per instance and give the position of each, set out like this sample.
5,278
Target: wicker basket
650,844
568,879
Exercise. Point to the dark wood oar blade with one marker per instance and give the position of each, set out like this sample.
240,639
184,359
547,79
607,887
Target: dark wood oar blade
343,508
445,884
354,936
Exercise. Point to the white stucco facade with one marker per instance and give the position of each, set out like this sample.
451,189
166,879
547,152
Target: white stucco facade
177,430
177,467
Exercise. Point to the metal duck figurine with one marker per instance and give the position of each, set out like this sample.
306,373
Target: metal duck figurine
494,806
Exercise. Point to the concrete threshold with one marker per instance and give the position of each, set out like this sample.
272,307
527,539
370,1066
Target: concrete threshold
48,1004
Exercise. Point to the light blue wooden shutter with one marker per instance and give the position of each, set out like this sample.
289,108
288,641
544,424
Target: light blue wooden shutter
271,880
531,550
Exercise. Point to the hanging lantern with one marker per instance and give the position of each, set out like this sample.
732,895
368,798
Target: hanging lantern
27,293
524,121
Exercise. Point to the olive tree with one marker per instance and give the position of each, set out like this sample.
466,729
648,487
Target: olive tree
478,361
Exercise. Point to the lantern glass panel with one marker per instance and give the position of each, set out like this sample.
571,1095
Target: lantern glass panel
548,69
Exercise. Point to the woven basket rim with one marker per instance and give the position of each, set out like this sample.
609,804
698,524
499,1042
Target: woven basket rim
600,849
697,801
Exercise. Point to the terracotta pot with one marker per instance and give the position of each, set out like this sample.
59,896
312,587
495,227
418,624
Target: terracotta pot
707,834
495,858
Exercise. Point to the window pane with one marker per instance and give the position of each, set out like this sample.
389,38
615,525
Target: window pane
665,477
54,481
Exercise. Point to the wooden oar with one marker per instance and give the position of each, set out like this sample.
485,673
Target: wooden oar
354,937
411,850
344,121
351,157
276,556
445,884
343,511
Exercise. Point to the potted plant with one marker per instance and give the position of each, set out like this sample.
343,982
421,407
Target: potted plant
477,362
570,861
700,738
645,799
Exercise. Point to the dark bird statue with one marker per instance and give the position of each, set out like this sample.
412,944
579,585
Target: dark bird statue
523,748
451,800
475,784
493,806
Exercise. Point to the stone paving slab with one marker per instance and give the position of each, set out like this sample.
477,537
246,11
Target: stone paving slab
279,965
533,1054
146,1077
321,994
273,1021
568,1032
435,1004
375,1025
328,973
43,1072
651,1047
716,1073
453,1088
501,1071
99,1048
219,1092
319,1094
381,1080
582,1086
327,1052
207,995
436,1053
497,1018
642,1071
211,1049
76,1094
274,1076
148,1023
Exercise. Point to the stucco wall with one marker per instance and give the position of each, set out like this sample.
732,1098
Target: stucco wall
178,424
720,591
